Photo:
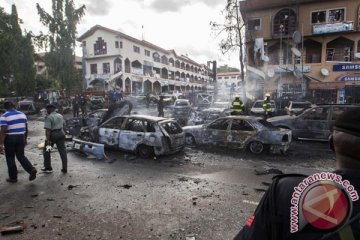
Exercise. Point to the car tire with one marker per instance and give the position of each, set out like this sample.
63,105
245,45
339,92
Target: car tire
145,151
190,140
256,147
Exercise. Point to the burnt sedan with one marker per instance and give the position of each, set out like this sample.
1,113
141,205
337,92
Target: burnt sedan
145,135
240,132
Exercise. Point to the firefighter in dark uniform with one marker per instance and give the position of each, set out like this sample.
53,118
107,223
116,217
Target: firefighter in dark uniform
273,219
267,106
160,106
237,106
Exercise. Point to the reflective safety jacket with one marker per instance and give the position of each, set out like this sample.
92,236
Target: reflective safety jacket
272,218
237,105
267,106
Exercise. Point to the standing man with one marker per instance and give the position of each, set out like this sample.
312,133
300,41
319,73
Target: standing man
83,104
275,218
160,106
54,132
13,137
267,106
75,106
237,106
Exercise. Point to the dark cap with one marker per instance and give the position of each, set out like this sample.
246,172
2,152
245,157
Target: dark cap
50,106
8,105
349,122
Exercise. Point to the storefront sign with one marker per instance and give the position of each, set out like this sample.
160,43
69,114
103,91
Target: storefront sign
346,67
350,78
333,27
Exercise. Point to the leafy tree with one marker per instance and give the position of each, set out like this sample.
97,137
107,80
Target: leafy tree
226,68
62,39
234,40
16,56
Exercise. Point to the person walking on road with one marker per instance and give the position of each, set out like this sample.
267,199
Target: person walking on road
54,133
321,206
13,139
160,106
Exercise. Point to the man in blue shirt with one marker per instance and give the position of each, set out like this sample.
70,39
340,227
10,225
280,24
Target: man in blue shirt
13,138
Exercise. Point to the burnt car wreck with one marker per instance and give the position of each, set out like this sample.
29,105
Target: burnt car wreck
146,136
240,132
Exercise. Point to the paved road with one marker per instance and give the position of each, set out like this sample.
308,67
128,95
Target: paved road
204,193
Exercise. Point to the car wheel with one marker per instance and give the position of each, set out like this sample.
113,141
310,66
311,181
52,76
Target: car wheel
189,140
145,151
256,147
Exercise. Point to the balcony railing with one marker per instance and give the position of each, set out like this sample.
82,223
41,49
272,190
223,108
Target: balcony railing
324,28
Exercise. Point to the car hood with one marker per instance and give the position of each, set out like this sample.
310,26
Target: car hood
118,109
281,118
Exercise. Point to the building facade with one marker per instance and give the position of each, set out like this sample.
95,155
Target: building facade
304,49
112,59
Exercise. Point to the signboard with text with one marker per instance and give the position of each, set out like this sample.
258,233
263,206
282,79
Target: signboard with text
346,67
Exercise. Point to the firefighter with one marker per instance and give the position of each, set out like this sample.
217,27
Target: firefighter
267,106
237,106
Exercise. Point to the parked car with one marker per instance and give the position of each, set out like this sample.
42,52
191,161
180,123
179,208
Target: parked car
240,132
257,108
295,108
314,124
27,107
181,111
97,102
144,135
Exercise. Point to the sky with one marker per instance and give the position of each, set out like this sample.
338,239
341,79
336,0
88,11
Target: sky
171,24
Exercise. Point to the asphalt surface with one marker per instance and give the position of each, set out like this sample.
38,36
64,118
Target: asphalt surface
200,193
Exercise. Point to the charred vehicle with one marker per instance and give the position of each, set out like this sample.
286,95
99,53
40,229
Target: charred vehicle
240,132
145,135
73,125
204,100
314,124
295,108
97,102
208,115
257,109
27,106
181,111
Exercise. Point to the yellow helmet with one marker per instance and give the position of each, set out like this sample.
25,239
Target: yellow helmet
267,95
237,96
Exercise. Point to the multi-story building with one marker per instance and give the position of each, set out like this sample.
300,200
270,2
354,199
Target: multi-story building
304,48
113,59
41,68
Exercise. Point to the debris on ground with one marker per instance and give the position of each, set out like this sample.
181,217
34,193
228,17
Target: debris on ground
57,216
126,186
34,195
183,179
70,187
268,171
260,189
112,160
190,237
14,227
266,183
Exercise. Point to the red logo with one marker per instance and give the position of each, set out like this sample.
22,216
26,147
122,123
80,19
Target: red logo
250,221
325,206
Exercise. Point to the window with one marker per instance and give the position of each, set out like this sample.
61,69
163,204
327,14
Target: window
319,113
241,125
328,16
156,57
116,44
330,52
115,123
318,17
135,125
254,24
172,127
147,52
121,44
106,68
150,126
284,22
336,15
84,43
221,124
100,47
337,111
93,68
136,49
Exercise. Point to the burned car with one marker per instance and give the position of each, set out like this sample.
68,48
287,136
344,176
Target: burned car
27,107
208,115
145,135
181,111
314,124
73,125
240,132
97,102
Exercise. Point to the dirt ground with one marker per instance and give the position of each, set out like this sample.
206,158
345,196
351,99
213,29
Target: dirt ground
200,193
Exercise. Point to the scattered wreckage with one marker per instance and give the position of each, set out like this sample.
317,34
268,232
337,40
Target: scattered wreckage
181,111
240,132
145,135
